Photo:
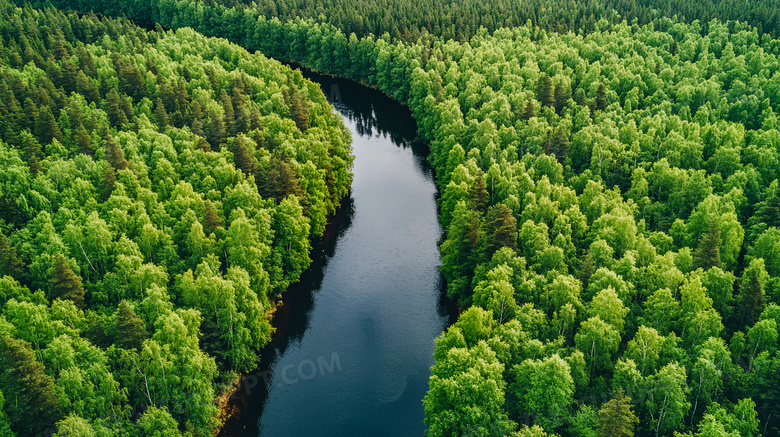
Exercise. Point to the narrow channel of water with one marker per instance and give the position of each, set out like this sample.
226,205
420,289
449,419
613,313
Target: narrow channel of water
355,337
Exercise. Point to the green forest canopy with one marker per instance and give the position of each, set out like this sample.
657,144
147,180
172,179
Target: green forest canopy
612,210
158,190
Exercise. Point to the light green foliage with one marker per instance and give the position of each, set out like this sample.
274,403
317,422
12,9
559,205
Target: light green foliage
608,307
474,376
597,340
667,403
137,220
661,163
545,389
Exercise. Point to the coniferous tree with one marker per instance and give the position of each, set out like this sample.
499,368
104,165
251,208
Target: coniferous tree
616,418
9,261
46,127
544,91
242,157
770,212
132,331
109,180
230,115
161,114
203,145
752,298
115,109
601,98
708,253
115,155
31,401
83,140
299,112
31,151
529,112
478,191
64,283
559,144
211,220
500,229
562,95
282,180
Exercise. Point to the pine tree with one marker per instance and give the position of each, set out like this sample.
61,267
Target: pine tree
203,145
562,95
115,155
500,229
211,220
752,299
162,115
770,212
132,331
31,402
31,150
707,254
559,145
616,418
83,140
64,283
529,111
114,109
216,133
478,191
230,115
46,127
109,180
242,157
299,112
9,261
544,91
587,269
282,180
601,99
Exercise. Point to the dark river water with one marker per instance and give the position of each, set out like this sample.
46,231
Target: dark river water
354,345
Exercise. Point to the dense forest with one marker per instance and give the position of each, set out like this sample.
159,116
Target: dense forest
611,206
462,19
158,191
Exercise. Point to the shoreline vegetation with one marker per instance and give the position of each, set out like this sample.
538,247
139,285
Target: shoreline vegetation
611,206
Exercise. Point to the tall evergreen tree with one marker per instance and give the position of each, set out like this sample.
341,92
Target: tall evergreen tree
601,98
282,180
752,298
708,253
529,112
559,144
46,127
162,115
115,155
9,261
500,229
211,220
544,91
242,157
31,401
83,140
132,331
616,418
115,110
64,283
299,112
562,95
478,191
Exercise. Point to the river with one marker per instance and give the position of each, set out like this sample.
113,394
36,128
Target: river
355,337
